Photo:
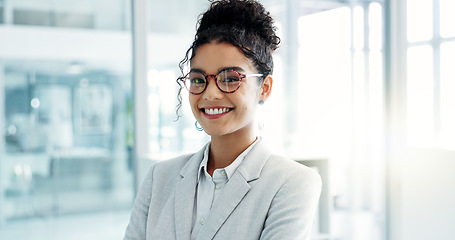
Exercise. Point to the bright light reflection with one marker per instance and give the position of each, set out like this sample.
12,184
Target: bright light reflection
324,81
447,18
420,20
358,27
447,97
152,78
35,103
375,96
375,22
420,96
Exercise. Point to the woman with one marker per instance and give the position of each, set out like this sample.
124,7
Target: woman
233,188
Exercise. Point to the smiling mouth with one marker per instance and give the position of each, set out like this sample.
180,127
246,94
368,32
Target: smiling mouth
215,111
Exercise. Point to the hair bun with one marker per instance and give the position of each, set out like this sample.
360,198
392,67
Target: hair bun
241,14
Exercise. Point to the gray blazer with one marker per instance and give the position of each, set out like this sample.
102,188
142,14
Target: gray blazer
268,197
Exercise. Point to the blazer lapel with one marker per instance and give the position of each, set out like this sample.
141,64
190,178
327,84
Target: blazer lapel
184,197
228,200
235,190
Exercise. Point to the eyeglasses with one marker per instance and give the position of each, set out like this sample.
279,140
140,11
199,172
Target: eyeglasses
227,81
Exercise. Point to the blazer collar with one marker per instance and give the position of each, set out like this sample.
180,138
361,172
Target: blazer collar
192,166
233,193
235,190
254,162
185,193
250,168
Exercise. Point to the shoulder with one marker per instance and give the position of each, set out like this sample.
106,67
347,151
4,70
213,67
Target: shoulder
275,169
175,162
170,167
280,165
294,193
288,174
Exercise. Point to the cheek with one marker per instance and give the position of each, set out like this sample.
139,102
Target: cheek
191,99
193,102
249,99
249,105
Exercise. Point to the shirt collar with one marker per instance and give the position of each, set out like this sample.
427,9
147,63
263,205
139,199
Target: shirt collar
229,169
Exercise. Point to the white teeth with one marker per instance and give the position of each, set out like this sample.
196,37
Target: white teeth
214,111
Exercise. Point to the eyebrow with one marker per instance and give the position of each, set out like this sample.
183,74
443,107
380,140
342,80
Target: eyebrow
236,68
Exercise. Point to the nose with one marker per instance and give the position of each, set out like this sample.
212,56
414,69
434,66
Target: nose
212,92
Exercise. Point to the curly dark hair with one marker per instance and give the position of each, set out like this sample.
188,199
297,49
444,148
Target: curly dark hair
245,24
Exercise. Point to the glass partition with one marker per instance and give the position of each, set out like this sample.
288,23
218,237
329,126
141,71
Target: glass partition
66,118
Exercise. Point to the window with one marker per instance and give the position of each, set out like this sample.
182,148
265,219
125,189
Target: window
447,98
430,76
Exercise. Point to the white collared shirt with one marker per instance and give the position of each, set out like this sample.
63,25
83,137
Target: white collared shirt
209,188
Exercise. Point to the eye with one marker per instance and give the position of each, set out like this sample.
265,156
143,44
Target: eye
197,81
230,79
196,78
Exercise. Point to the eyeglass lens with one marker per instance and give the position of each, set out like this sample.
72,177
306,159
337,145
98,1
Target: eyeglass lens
227,81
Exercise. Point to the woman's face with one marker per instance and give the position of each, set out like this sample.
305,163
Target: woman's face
238,108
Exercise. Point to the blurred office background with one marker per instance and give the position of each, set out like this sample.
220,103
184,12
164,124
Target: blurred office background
363,92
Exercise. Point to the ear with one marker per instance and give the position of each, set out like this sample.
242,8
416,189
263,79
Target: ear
266,88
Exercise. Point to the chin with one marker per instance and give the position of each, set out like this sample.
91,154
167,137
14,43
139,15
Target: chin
216,132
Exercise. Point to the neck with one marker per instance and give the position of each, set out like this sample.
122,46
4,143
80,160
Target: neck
225,149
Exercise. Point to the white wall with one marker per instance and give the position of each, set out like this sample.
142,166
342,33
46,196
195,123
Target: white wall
428,195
